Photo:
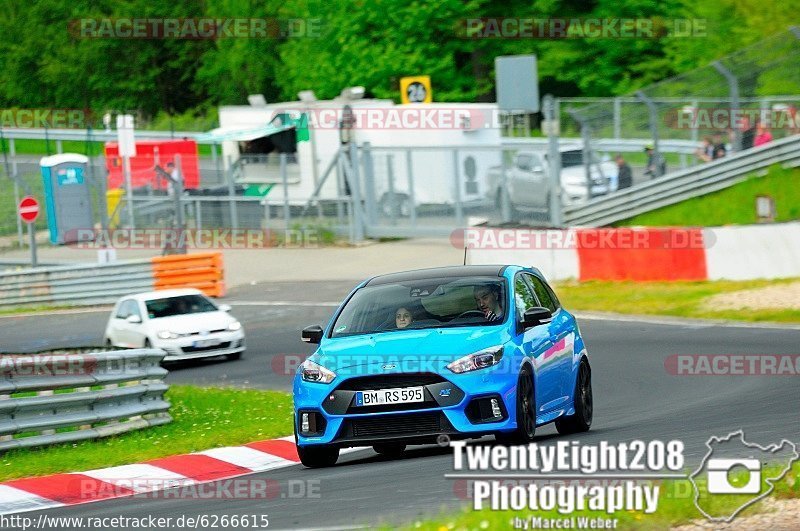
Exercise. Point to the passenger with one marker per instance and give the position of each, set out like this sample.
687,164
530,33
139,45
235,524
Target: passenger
488,300
403,317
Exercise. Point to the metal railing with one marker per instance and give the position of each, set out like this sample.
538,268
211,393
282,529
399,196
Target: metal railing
684,184
67,398
75,284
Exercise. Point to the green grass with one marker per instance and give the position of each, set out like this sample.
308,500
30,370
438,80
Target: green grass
734,205
675,507
679,299
203,418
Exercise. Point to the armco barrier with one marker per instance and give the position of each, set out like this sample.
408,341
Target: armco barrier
646,254
75,284
106,393
88,284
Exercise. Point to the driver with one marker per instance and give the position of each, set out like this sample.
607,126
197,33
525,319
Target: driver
402,317
488,300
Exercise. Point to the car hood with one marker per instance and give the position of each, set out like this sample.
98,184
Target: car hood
192,322
409,350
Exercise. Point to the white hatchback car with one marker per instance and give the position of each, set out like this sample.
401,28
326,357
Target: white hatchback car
183,322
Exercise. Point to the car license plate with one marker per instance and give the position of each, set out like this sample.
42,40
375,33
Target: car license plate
401,395
200,343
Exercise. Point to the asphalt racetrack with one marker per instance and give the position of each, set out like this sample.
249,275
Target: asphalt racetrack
635,398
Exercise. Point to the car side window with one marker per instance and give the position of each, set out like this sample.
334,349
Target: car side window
542,292
124,310
523,297
536,163
134,309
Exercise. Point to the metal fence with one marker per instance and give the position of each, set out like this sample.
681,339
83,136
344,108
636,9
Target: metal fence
719,103
73,397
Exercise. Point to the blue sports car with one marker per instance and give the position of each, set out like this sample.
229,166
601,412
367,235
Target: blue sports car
461,352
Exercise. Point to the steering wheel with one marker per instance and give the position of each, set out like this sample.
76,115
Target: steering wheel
471,313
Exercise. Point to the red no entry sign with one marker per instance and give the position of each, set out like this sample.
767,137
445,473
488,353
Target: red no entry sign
28,209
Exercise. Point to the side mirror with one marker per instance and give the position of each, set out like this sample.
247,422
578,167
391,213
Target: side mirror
536,316
312,334
133,319
224,307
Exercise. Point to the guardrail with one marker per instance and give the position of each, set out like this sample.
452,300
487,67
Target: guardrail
88,284
49,399
82,284
684,184
624,145
97,135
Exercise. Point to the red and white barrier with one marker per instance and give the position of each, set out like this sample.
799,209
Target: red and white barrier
643,253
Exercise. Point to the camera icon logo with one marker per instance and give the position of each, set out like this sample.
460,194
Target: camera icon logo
719,476
733,467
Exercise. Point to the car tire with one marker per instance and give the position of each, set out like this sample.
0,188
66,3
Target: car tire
108,344
581,421
526,412
235,356
390,449
316,456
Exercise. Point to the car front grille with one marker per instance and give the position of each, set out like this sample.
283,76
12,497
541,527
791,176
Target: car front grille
390,381
398,425
221,346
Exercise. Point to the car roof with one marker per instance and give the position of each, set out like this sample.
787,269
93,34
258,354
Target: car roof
162,294
439,272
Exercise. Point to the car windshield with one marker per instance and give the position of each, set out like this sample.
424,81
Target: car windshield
425,303
180,305
575,158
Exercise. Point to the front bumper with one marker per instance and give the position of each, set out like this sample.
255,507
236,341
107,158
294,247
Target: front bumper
183,348
453,406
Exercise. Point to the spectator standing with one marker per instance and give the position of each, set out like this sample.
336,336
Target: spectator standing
763,136
656,166
748,133
706,150
720,150
624,173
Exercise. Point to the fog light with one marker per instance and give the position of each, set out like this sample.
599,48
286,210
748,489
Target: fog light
304,425
496,409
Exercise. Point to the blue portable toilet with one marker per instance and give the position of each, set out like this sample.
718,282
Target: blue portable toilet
67,196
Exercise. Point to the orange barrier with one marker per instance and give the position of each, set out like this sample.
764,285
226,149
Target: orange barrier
652,254
203,271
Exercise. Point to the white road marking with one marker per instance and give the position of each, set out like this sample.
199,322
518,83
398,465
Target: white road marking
140,477
14,500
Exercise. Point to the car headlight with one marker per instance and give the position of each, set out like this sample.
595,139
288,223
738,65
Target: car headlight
477,360
234,326
314,372
166,334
